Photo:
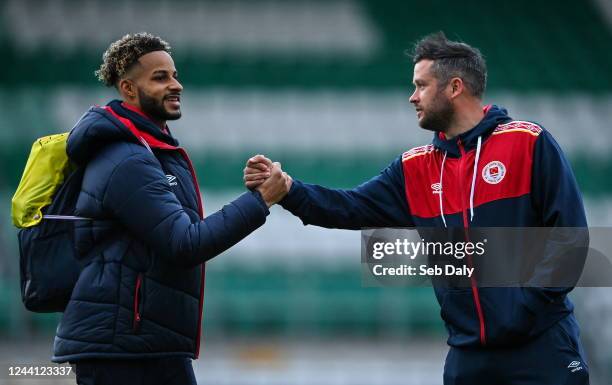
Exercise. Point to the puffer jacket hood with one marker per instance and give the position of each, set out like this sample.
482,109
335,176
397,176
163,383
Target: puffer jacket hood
101,125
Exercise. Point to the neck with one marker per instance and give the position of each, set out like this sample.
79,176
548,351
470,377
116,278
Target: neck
465,120
133,107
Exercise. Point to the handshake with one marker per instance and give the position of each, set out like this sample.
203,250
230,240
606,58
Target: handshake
268,178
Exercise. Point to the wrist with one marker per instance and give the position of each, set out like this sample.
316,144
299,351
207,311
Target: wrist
266,199
260,198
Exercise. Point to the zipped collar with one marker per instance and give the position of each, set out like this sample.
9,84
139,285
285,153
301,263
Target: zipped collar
142,122
164,129
494,116
457,148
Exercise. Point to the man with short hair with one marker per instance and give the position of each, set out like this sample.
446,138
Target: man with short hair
486,170
135,314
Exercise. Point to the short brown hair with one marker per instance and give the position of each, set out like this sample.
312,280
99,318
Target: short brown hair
453,59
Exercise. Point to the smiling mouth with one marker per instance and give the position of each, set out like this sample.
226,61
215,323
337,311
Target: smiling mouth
174,100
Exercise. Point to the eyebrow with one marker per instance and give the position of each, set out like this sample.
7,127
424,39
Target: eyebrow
162,72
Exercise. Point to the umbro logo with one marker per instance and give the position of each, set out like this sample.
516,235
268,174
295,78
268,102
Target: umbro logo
436,188
171,180
574,366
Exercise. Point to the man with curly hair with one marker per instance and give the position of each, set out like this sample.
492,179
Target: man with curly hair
135,314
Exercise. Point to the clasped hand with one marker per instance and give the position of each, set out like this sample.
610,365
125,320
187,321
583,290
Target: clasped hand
267,177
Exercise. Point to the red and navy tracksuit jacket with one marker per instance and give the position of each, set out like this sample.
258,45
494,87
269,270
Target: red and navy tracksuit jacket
501,173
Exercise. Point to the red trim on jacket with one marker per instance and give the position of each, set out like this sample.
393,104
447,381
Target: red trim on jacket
203,267
143,114
466,225
136,322
150,139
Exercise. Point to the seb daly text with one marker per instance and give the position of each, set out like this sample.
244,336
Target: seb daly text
404,257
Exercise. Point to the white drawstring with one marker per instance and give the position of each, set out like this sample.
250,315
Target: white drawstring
441,190
478,146
474,179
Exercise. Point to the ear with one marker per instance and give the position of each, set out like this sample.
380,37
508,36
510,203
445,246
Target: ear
456,87
127,89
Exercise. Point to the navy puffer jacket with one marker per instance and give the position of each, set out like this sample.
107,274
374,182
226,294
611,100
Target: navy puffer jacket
140,293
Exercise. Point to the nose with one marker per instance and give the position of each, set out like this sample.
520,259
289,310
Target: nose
176,86
414,98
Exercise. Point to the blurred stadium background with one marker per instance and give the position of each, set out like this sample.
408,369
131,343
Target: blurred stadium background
323,87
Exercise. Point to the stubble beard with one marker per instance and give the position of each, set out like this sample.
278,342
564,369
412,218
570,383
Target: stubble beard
155,109
440,115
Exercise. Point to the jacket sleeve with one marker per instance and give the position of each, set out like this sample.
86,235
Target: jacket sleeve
139,196
559,204
379,202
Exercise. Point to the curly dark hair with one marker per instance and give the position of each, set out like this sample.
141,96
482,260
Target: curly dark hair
453,59
122,54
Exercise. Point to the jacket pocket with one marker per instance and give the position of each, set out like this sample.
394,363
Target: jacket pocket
137,303
459,314
510,322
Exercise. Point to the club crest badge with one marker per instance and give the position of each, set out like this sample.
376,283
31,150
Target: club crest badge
494,172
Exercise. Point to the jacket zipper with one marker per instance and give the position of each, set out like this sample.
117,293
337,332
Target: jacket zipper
203,265
466,224
137,318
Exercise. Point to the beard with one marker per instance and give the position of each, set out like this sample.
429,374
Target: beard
155,108
439,116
